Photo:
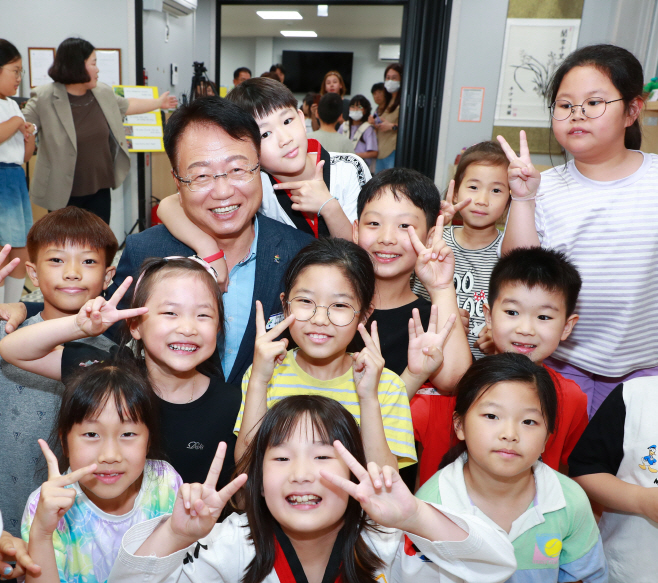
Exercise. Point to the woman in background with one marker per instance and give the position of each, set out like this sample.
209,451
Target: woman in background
385,119
83,152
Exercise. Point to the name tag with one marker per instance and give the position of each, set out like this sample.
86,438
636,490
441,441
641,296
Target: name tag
274,320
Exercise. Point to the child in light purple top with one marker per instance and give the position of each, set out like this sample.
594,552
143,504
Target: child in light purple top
362,134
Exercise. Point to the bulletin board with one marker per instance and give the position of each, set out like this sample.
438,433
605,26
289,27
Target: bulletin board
40,60
108,62
144,131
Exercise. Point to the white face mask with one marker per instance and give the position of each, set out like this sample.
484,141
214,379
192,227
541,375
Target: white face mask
391,85
356,115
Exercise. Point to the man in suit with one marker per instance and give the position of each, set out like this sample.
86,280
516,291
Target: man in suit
214,149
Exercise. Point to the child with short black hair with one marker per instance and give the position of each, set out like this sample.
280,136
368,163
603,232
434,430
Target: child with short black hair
330,113
532,302
71,252
481,183
397,212
532,298
294,165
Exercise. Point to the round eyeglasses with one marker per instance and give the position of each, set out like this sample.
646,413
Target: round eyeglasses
19,73
592,108
204,182
339,314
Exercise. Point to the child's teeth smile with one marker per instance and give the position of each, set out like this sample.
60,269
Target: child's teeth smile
183,347
387,255
294,500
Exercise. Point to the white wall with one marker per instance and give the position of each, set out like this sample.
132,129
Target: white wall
255,52
180,40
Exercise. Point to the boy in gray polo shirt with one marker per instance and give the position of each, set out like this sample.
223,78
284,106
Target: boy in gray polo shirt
71,252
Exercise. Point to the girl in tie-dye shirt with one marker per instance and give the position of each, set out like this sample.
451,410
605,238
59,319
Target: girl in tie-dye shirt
107,428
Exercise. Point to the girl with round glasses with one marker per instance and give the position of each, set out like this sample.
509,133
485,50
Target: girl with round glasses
600,210
329,288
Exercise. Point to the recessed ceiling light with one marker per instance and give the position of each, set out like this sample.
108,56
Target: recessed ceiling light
323,9
279,14
310,33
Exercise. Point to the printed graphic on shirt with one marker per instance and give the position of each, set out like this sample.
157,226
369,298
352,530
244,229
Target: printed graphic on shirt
547,549
411,550
647,462
471,299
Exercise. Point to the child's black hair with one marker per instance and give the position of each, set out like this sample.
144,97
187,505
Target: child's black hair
260,96
354,262
8,53
89,389
330,421
403,183
537,267
488,371
330,108
623,70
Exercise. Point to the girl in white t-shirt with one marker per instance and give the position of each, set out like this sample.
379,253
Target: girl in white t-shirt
600,210
16,148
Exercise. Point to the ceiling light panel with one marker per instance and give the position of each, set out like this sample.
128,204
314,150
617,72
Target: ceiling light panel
306,33
279,14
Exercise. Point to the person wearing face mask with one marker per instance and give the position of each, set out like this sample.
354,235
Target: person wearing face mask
385,119
83,151
360,131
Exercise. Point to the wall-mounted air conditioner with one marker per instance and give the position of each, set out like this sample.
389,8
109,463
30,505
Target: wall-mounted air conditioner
389,52
179,7
173,7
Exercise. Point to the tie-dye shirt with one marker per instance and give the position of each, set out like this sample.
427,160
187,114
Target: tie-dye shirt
87,540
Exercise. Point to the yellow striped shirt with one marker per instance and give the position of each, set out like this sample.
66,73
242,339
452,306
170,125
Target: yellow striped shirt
289,379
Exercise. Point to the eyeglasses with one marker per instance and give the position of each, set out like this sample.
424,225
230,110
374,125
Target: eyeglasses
19,73
339,314
592,108
205,182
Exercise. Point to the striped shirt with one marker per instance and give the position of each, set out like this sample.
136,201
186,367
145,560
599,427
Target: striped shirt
289,379
609,230
472,272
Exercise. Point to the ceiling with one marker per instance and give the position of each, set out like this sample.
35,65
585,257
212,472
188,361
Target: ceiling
342,22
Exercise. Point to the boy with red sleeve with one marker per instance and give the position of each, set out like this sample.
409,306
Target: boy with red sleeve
532,302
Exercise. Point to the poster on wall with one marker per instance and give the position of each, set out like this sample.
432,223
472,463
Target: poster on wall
109,66
533,49
40,59
143,131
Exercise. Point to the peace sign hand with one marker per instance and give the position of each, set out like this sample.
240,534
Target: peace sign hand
380,491
268,352
523,177
368,364
435,266
448,208
55,498
425,354
198,506
97,315
308,195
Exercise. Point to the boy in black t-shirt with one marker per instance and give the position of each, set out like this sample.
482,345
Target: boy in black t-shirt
397,211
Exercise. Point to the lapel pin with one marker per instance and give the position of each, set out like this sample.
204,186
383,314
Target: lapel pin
277,258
